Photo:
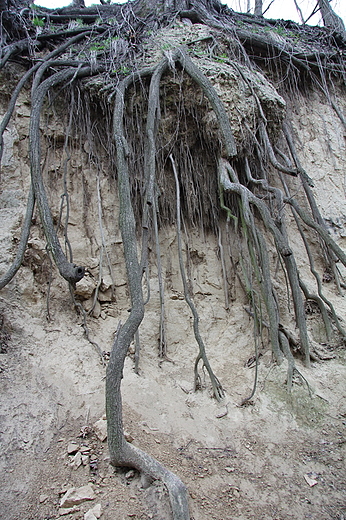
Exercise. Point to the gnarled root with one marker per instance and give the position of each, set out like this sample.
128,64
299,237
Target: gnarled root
121,452
131,456
71,272
229,182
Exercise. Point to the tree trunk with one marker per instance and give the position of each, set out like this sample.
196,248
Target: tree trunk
258,8
330,18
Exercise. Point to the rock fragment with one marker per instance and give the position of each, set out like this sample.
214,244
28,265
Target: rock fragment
75,496
128,436
310,478
77,460
72,448
106,296
130,474
85,460
100,429
85,287
107,283
66,511
94,513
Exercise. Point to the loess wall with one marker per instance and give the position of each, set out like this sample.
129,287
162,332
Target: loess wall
51,375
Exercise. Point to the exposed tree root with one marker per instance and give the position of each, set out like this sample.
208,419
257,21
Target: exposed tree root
257,328
330,257
320,299
7,277
69,271
292,369
162,338
41,66
243,193
202,355
282,245
121,452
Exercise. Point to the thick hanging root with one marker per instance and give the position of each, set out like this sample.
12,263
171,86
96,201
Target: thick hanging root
330,257
216,385
153,116
71,272
268,295
320,230
247,199
319,298
292,369
39,69
121,452
7,277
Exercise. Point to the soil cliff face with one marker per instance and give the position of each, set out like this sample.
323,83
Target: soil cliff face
283,456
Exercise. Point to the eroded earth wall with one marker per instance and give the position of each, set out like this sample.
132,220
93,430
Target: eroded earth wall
52,380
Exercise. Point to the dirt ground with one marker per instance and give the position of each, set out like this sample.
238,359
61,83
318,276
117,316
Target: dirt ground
280,457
